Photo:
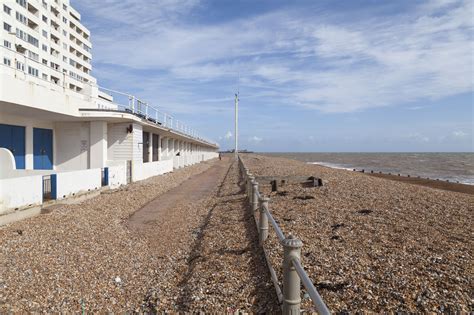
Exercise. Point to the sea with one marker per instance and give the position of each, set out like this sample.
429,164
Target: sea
455,167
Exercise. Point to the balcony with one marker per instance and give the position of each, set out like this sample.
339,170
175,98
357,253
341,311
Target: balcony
33,10
55,11
33,25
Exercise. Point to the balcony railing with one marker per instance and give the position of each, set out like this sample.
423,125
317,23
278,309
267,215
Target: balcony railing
128,103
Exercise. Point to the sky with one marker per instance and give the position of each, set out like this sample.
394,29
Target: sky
313,75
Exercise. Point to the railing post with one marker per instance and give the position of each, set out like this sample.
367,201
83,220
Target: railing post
291,280
254,196
249,187
263,220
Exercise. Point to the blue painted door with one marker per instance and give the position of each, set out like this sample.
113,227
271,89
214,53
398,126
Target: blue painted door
13,139
42,149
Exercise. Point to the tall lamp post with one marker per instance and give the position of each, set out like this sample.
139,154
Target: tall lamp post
236,152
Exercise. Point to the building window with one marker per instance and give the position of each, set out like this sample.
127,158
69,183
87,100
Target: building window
64,20
33,41
7,44
64,33
45,4
20,66
7,61
21,2
20,17
27,37
44,47
64,7
64,45
33,55
6,9
45,62
45,34
44,76
64,58
45,19
32,71
7,27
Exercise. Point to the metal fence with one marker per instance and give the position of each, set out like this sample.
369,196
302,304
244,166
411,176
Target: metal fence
293,271
129,103
47,188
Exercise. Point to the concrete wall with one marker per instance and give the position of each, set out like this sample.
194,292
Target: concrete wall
142,171
98,144
20,192
7,163
117,175
70,183
72,142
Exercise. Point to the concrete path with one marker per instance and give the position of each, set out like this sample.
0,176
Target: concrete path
204,244
191,191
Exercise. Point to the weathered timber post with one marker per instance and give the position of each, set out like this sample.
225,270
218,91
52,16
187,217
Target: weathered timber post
254,195
274,185
291,280
263,220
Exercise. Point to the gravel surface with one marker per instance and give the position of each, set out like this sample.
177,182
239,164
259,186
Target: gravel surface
195,255
82,257
372,244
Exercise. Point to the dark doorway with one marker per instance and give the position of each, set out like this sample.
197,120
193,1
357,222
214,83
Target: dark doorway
156,145
146,144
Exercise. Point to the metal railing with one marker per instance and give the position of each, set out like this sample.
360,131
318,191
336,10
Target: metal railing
293,271
126,102
47,188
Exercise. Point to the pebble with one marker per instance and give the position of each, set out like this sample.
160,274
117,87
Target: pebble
396,237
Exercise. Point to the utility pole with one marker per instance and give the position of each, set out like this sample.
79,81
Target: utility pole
236,126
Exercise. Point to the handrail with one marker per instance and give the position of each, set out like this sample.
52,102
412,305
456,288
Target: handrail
310,288
290,298
275,225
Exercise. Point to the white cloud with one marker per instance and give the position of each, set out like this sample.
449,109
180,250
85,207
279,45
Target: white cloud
459,134
293,58
255,139
417,137
228,135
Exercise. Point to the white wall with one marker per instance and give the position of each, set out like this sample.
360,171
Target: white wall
69,183
117,174
20,192
142,171
98,142
7,163
123,146
72,145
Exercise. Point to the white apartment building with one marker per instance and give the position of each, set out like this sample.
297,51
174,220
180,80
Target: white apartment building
55,119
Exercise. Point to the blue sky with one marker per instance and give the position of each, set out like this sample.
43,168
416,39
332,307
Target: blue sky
324,75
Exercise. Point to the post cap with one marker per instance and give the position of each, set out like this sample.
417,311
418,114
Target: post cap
292,242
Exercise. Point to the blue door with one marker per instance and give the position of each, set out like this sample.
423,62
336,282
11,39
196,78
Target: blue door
13,139
42,149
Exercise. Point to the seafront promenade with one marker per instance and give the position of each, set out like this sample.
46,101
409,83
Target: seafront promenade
186,241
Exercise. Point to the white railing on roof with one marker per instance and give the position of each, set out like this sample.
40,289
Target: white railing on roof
129,103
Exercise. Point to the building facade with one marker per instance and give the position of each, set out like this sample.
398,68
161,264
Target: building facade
54,117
